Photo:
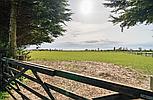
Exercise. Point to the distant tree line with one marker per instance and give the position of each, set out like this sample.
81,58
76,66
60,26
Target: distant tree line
114,49
122,49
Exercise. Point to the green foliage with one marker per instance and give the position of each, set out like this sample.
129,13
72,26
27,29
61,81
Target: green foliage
38,21
4,23
131,12
23,54
4,95
141,63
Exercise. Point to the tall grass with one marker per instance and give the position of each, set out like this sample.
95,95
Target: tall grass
140,63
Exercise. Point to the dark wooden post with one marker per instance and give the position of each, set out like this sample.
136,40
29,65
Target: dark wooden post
2,54
151,83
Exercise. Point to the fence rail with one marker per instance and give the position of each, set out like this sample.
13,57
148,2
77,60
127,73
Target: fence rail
11,75
147,54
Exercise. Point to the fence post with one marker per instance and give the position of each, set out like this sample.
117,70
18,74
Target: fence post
2,54
151,83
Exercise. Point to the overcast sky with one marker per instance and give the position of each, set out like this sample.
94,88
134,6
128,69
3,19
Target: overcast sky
90,29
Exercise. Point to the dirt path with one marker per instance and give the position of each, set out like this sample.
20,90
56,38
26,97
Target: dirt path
96,69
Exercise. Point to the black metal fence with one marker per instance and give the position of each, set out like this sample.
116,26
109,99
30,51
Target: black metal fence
11,74
3,53
147,54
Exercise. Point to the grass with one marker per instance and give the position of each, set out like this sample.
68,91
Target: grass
4,95
137,62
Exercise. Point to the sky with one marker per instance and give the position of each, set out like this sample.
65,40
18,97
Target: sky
90,29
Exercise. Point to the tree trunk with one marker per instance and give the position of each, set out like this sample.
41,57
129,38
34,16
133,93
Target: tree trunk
13,28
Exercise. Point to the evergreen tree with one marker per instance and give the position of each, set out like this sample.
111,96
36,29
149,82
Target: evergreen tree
37,21
128,13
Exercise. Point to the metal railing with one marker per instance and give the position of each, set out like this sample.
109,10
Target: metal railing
11,74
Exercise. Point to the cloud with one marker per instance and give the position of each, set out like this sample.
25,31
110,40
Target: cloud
103,41
93,44
92,41
83,28
81,35
78,31
75,35
146,45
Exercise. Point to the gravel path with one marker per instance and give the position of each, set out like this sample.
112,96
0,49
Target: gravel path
96,69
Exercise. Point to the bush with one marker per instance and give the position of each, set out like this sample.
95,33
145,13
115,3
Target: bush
23,54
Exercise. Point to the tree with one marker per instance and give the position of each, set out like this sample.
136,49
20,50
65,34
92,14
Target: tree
140,49
129,13
4,22
13,28
37,21
48,18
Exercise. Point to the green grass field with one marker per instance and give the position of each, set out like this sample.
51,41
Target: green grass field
140,63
